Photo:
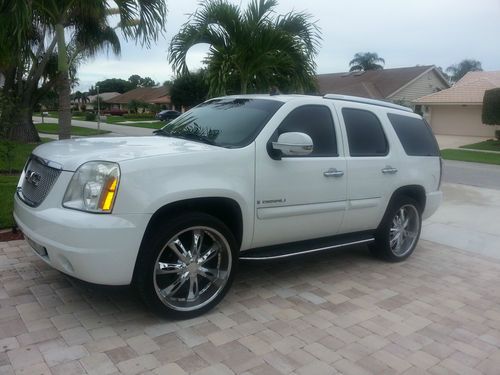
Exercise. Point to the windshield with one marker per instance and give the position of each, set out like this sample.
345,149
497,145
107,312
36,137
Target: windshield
225,122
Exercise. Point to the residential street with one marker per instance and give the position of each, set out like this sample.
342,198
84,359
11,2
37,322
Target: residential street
475,174
117,130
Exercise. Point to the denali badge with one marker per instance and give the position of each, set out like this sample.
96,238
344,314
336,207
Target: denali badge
33,177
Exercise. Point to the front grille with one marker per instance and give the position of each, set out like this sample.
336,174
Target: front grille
39,179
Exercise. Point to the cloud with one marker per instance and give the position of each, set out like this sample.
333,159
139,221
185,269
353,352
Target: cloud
404,33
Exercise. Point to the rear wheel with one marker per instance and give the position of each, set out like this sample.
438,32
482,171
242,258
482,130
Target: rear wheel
188,268
398,234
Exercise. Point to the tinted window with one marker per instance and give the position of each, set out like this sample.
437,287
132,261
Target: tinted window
223,122
364,133
415,135
315,121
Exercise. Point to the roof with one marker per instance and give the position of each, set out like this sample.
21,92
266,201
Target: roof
375,84
103,96
144,94
468,90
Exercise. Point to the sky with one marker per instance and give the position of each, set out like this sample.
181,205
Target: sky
403,32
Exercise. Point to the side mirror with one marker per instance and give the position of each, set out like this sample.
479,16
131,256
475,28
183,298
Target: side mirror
294,144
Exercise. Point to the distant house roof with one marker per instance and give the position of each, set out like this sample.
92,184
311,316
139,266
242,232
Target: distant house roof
103,96
468,90
144,94
376,84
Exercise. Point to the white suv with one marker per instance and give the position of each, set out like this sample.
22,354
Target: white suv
249,177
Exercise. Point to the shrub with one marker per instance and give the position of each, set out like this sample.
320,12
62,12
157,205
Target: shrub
497,134
78,113
491,107
90,116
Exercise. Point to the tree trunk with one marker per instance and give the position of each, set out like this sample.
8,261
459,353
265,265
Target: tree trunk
63,86
244,84
22,129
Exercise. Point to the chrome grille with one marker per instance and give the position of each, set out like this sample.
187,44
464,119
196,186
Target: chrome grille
39,179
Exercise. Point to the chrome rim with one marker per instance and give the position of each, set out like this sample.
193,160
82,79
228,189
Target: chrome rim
404,230
192,268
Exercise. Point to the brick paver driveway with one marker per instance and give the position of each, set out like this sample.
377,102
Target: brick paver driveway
343,312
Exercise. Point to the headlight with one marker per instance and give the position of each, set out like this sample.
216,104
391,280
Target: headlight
93,187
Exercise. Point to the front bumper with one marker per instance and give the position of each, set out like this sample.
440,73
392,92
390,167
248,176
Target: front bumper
97,248
432,203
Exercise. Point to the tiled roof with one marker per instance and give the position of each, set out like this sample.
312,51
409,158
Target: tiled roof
103,96
469,90
144,94
376,84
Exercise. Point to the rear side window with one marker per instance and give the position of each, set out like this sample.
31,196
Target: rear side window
316,121
415,135
364,133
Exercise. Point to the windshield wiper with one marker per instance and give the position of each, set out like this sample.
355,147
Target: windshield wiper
187,136
194,137
161,131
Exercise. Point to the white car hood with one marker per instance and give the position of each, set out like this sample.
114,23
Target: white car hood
70,154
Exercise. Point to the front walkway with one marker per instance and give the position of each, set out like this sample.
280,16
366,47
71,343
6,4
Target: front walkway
344,312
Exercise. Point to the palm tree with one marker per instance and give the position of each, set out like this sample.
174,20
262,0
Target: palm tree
364,61
86,25
457,71
252,47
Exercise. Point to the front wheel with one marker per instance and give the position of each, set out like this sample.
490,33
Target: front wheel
398,234
189,267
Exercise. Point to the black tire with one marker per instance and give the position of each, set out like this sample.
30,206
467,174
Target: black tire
167,301
383,248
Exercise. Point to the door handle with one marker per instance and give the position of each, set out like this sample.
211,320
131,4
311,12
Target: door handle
333,172
389,170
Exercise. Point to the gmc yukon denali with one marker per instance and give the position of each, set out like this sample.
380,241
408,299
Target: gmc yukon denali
250,177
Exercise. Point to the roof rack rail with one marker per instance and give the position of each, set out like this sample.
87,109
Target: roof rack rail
358,99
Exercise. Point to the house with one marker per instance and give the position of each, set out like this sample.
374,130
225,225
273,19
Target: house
400,85
150,95
104,98
457,110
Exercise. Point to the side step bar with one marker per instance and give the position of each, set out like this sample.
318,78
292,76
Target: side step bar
306,247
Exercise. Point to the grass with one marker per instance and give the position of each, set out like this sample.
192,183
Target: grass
489,145
7,190
51,128
8,183
148,125
471,156
115,119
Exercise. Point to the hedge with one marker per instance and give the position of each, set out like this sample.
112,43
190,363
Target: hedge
491,107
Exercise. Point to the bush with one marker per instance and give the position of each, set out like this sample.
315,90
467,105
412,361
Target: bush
491,107
90,116
78,113
497,134
115,112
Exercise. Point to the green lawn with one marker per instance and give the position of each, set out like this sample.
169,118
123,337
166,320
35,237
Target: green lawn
8,183
7,190
472,156
148,125
489,145
115,119
51,128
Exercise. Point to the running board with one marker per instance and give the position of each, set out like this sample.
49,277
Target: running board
306,247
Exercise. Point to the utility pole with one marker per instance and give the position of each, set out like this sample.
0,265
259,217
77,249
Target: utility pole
98,111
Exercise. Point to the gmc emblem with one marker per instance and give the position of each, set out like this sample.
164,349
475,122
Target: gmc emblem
33,177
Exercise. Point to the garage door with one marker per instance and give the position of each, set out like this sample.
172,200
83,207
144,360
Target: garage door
459,120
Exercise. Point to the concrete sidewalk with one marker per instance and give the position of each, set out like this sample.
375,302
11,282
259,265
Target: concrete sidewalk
115,129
